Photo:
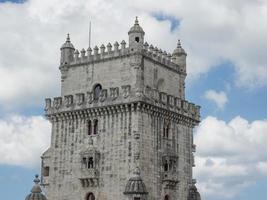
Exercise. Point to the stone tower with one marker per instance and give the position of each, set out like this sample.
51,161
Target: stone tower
121,128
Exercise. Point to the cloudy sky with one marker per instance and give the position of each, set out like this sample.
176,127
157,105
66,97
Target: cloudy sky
226,42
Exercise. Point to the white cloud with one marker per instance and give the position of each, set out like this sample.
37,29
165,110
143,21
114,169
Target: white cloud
23,140
212,32
230,156
219,98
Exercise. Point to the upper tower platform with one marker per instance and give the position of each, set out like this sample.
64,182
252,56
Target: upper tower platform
119,74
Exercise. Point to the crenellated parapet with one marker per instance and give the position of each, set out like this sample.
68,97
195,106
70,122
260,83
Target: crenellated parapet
121,95
102,53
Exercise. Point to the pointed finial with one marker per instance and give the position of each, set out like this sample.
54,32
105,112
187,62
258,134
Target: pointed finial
179,43
136,21
136,171
68,38
36,180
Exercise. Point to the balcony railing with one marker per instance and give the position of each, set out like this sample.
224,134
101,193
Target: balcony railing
89,177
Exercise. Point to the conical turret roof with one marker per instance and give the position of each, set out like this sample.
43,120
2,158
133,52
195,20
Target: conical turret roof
36,191
179,50
67,44
136,28
135,184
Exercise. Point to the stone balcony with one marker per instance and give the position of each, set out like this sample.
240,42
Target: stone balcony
89,177
170,179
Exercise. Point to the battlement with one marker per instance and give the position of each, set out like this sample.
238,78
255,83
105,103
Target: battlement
102,53
118,96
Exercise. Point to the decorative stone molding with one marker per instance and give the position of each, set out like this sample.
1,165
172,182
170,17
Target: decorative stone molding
163,97
126,90
48,103
57,102
90,97
80,98
114,93
68,100
103,95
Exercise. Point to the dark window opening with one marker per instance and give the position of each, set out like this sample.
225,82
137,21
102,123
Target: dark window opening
46,171
90,196
97,91
166,166
89,126
95,126
137,39
166,197
137,198
90,163
166,130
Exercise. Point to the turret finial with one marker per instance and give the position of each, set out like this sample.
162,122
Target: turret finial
136,171
136,21
179,43
36,180
68,38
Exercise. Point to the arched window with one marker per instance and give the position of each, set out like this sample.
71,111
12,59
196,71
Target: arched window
95,126
97,90
90,196
166,197
89,127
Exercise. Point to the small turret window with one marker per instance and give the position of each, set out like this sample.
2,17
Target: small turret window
46,171
97,91
137,39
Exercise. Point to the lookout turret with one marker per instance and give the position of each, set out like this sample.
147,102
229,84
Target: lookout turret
136,36
67,52
179,56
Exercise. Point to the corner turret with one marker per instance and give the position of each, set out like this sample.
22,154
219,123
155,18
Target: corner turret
135,187
67,52
36,192
136,36
179,56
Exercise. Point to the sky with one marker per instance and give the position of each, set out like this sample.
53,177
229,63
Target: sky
227,75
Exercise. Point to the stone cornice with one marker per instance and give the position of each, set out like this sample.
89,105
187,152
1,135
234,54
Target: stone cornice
138,106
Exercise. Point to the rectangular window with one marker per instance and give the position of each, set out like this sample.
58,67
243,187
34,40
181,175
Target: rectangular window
46,171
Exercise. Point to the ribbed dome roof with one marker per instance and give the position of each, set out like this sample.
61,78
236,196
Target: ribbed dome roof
179,50
135,184
67,44
193,193
136,28
36,191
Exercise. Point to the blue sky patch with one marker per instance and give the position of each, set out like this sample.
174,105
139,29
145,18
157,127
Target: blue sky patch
12,1
163,17
241,102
